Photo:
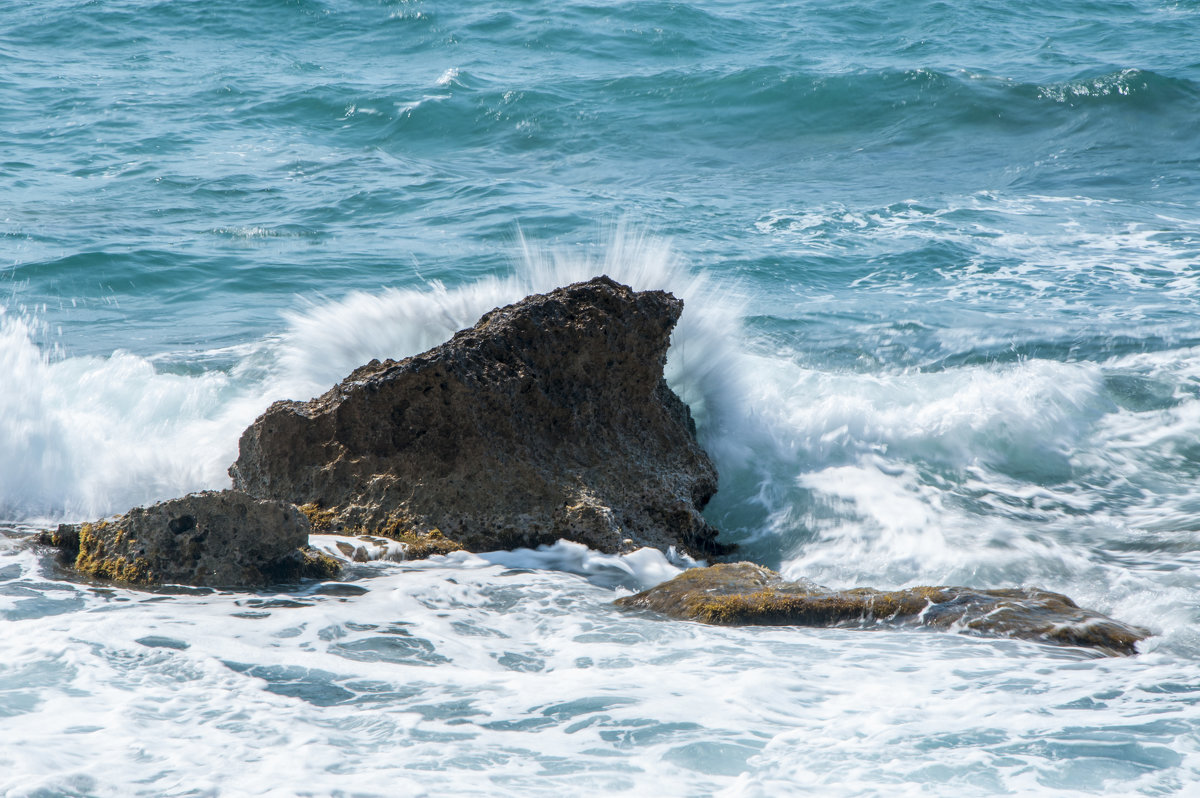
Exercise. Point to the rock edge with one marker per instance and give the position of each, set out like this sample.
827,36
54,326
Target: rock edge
548,419
744,594
213,538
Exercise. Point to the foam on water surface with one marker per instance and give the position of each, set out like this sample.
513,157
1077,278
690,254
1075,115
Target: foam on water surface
939,266
90,436
1033,470
489,674
511,672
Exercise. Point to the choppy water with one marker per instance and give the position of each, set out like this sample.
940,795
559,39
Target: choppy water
942,272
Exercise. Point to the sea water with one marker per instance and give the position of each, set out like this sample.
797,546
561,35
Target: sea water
941,267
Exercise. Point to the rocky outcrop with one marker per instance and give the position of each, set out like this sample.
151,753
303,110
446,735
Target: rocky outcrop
746,594
548,419
217,538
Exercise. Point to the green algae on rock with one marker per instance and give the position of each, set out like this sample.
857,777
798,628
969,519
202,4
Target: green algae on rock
214,538
418,544
744,594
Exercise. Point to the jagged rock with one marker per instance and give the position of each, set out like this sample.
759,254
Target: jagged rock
218,538
548,419
737,594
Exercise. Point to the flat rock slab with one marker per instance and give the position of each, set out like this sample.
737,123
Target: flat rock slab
744,594
548,419
214,538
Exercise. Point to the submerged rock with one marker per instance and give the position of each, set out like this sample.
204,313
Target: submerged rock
217,538
548,419
738,594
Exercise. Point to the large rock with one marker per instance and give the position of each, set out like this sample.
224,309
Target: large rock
746,594
218,538
548,419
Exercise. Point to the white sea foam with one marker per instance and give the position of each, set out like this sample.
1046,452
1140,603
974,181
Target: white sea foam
512,673
464,676
86,436
1059,255
1072,473
977,473
89,436
449,77
1025,473
324,342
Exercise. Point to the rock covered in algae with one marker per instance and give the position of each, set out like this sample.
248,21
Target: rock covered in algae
548,419
216,538
737,594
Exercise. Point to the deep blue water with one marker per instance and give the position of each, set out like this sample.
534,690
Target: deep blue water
942,272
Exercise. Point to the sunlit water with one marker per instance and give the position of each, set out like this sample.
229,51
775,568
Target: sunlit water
940,272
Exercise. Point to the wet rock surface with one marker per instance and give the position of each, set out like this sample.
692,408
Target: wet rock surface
214,538
548,419
737,594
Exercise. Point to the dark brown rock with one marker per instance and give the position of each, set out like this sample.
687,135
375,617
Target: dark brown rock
217,538
745,594
548,419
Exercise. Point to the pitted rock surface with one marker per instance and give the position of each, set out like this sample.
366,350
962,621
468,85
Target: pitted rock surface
548,419
217,538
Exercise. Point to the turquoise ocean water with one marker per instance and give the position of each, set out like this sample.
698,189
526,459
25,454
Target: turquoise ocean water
941,266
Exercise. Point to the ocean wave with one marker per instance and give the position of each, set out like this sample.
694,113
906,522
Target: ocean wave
719,104
980,472
1101,266
1143,89
88,435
